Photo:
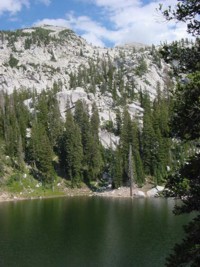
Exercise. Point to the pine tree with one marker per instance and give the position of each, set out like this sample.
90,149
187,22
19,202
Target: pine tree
138,169
71,152
125,141
22,113
161,129
118,123
117,169
14,127
95,122
185,183
96,161
77,158
148,138
136,147
42,109
55,123
81,117
40,152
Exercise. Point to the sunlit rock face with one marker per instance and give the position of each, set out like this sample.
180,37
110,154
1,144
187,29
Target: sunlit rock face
41,58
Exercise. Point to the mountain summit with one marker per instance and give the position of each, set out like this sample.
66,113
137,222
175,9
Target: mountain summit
40,58
72,109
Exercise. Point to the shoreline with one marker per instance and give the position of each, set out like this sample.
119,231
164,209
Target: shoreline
122,192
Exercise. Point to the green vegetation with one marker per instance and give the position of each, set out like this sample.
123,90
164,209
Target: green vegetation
109,77
72,149
27,43
13,62
183,55
186,11
38,36
38,139
65,33
41,154
184,182
142,68
24,185
41,35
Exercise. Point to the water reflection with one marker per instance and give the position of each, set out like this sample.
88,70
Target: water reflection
85,231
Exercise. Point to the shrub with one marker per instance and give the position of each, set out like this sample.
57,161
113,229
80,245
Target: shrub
13,61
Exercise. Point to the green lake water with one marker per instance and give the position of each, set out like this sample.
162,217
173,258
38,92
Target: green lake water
88,231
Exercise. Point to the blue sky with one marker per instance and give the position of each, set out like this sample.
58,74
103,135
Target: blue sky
100,22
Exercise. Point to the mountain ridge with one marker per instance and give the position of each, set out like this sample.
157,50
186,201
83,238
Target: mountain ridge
71,110
40,58
37,58
57,47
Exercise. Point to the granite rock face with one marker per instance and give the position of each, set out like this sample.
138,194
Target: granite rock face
41,57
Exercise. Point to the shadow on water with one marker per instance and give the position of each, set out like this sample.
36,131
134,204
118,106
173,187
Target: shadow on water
88,231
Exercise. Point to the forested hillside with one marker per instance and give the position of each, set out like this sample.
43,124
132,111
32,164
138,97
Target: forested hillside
71,111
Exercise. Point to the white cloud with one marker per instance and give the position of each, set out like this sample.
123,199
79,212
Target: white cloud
93,39
92,31
12,6
116,4
131,20
15,6
135,21
89,27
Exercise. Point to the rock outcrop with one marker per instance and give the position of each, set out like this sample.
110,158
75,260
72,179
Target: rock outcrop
46,57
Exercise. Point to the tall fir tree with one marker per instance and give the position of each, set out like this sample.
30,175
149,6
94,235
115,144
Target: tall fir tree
71,152
117,172
148,138
125,141
96,161
55,122
136,147
90,141
40,153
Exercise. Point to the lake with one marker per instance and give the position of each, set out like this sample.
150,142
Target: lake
88,231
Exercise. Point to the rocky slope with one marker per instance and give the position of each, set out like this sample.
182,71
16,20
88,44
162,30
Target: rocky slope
41,58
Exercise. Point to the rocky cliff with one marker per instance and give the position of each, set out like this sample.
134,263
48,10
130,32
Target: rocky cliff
47,57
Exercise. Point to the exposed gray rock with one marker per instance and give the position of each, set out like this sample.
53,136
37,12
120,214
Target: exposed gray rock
40,65
154,192
160,188
138,193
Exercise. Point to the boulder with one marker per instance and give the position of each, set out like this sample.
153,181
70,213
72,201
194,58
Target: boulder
141,194
160,188
138,193
152,192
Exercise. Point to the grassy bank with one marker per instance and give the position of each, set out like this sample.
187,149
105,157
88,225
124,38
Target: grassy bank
24,186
